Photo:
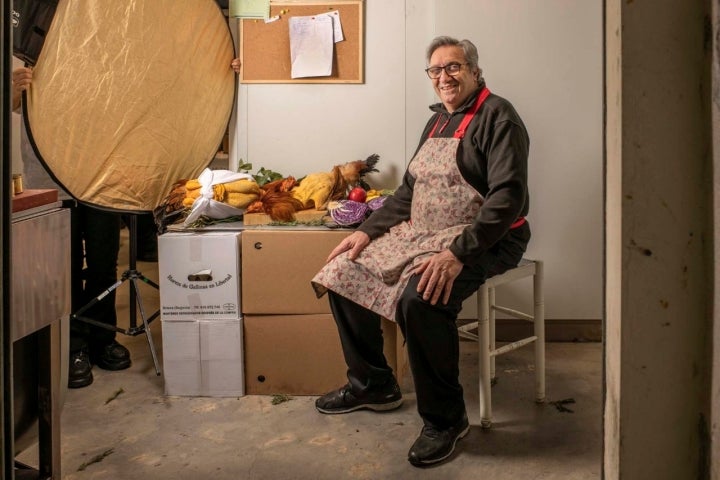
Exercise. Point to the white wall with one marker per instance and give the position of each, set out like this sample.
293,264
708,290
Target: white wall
545,56
297,129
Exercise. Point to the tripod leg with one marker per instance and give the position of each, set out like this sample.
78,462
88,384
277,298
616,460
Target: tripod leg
146,325
95,300
78,315
148,281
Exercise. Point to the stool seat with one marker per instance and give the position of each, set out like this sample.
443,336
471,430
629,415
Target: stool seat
487,307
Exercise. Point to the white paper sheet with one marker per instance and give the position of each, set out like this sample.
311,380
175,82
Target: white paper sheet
311,46
337,25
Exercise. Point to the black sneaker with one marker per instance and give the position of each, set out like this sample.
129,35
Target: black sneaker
150,255
80,370
344,401
433,445
112,356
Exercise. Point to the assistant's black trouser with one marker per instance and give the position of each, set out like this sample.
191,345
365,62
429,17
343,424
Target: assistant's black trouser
430,334
95,244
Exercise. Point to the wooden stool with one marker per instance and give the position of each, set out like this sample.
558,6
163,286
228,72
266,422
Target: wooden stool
486,331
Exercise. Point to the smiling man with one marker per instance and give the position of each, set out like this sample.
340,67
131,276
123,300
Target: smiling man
454,79
457,218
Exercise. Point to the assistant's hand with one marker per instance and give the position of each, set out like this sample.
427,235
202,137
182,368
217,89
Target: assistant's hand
355,243
438,275
21,80
235,64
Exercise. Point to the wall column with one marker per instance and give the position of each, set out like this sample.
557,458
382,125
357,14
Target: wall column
658,240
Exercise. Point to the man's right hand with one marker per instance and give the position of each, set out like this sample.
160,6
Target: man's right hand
355,243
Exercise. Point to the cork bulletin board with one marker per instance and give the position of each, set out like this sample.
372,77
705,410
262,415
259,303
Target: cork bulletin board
265,47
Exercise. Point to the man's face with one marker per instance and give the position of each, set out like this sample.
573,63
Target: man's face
452,90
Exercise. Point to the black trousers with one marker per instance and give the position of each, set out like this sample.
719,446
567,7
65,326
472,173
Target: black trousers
95,247
430,333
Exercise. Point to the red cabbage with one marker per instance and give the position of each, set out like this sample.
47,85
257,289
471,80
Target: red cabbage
376,202
349,212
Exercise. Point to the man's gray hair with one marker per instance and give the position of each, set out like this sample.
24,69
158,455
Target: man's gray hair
469,50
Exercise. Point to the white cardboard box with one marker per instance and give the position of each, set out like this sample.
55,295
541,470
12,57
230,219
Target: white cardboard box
199,275
203,358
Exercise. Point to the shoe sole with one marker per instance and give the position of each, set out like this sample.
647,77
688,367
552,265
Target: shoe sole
376,407
426,463
80,383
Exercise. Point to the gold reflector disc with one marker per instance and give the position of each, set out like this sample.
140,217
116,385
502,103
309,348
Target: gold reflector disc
130,96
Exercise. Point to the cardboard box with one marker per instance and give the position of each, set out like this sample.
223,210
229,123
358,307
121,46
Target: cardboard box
277,268
301,354
199,275
203,358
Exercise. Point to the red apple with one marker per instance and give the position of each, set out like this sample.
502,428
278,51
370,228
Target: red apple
357,194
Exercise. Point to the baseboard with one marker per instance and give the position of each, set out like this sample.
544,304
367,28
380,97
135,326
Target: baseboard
511,330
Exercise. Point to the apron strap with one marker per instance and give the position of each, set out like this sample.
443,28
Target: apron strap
460,132
518,223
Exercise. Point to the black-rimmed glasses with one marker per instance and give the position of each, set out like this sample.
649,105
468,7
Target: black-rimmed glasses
451,69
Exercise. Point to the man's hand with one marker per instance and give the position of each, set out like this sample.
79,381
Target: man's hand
438,275
355,243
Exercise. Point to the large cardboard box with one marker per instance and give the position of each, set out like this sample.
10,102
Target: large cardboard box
203,357
301,354
277,268
199,275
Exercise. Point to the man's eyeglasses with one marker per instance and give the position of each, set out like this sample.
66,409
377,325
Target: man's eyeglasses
450,69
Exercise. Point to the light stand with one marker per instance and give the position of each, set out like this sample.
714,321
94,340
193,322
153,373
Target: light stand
135,303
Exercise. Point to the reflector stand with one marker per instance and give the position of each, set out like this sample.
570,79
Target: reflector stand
135,304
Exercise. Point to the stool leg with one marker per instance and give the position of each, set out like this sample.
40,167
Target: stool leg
484,355
491,317
539,320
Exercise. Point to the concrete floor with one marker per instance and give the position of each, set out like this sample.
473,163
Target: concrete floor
124,427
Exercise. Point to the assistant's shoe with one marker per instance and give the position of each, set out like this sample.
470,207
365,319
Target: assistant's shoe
344,400
80,370
112,356
434,445
148,256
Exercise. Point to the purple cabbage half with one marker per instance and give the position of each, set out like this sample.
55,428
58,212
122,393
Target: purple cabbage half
349,212
376,202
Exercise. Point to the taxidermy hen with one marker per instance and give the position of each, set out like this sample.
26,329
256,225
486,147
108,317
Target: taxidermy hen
317,189
276,200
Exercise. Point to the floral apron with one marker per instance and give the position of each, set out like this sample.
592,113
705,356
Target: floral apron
443,205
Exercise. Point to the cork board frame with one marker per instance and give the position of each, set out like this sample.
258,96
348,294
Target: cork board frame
265,47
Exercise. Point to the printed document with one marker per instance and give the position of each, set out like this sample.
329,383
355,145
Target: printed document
311,46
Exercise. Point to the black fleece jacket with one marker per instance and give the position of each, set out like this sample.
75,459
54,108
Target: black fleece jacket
493,158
